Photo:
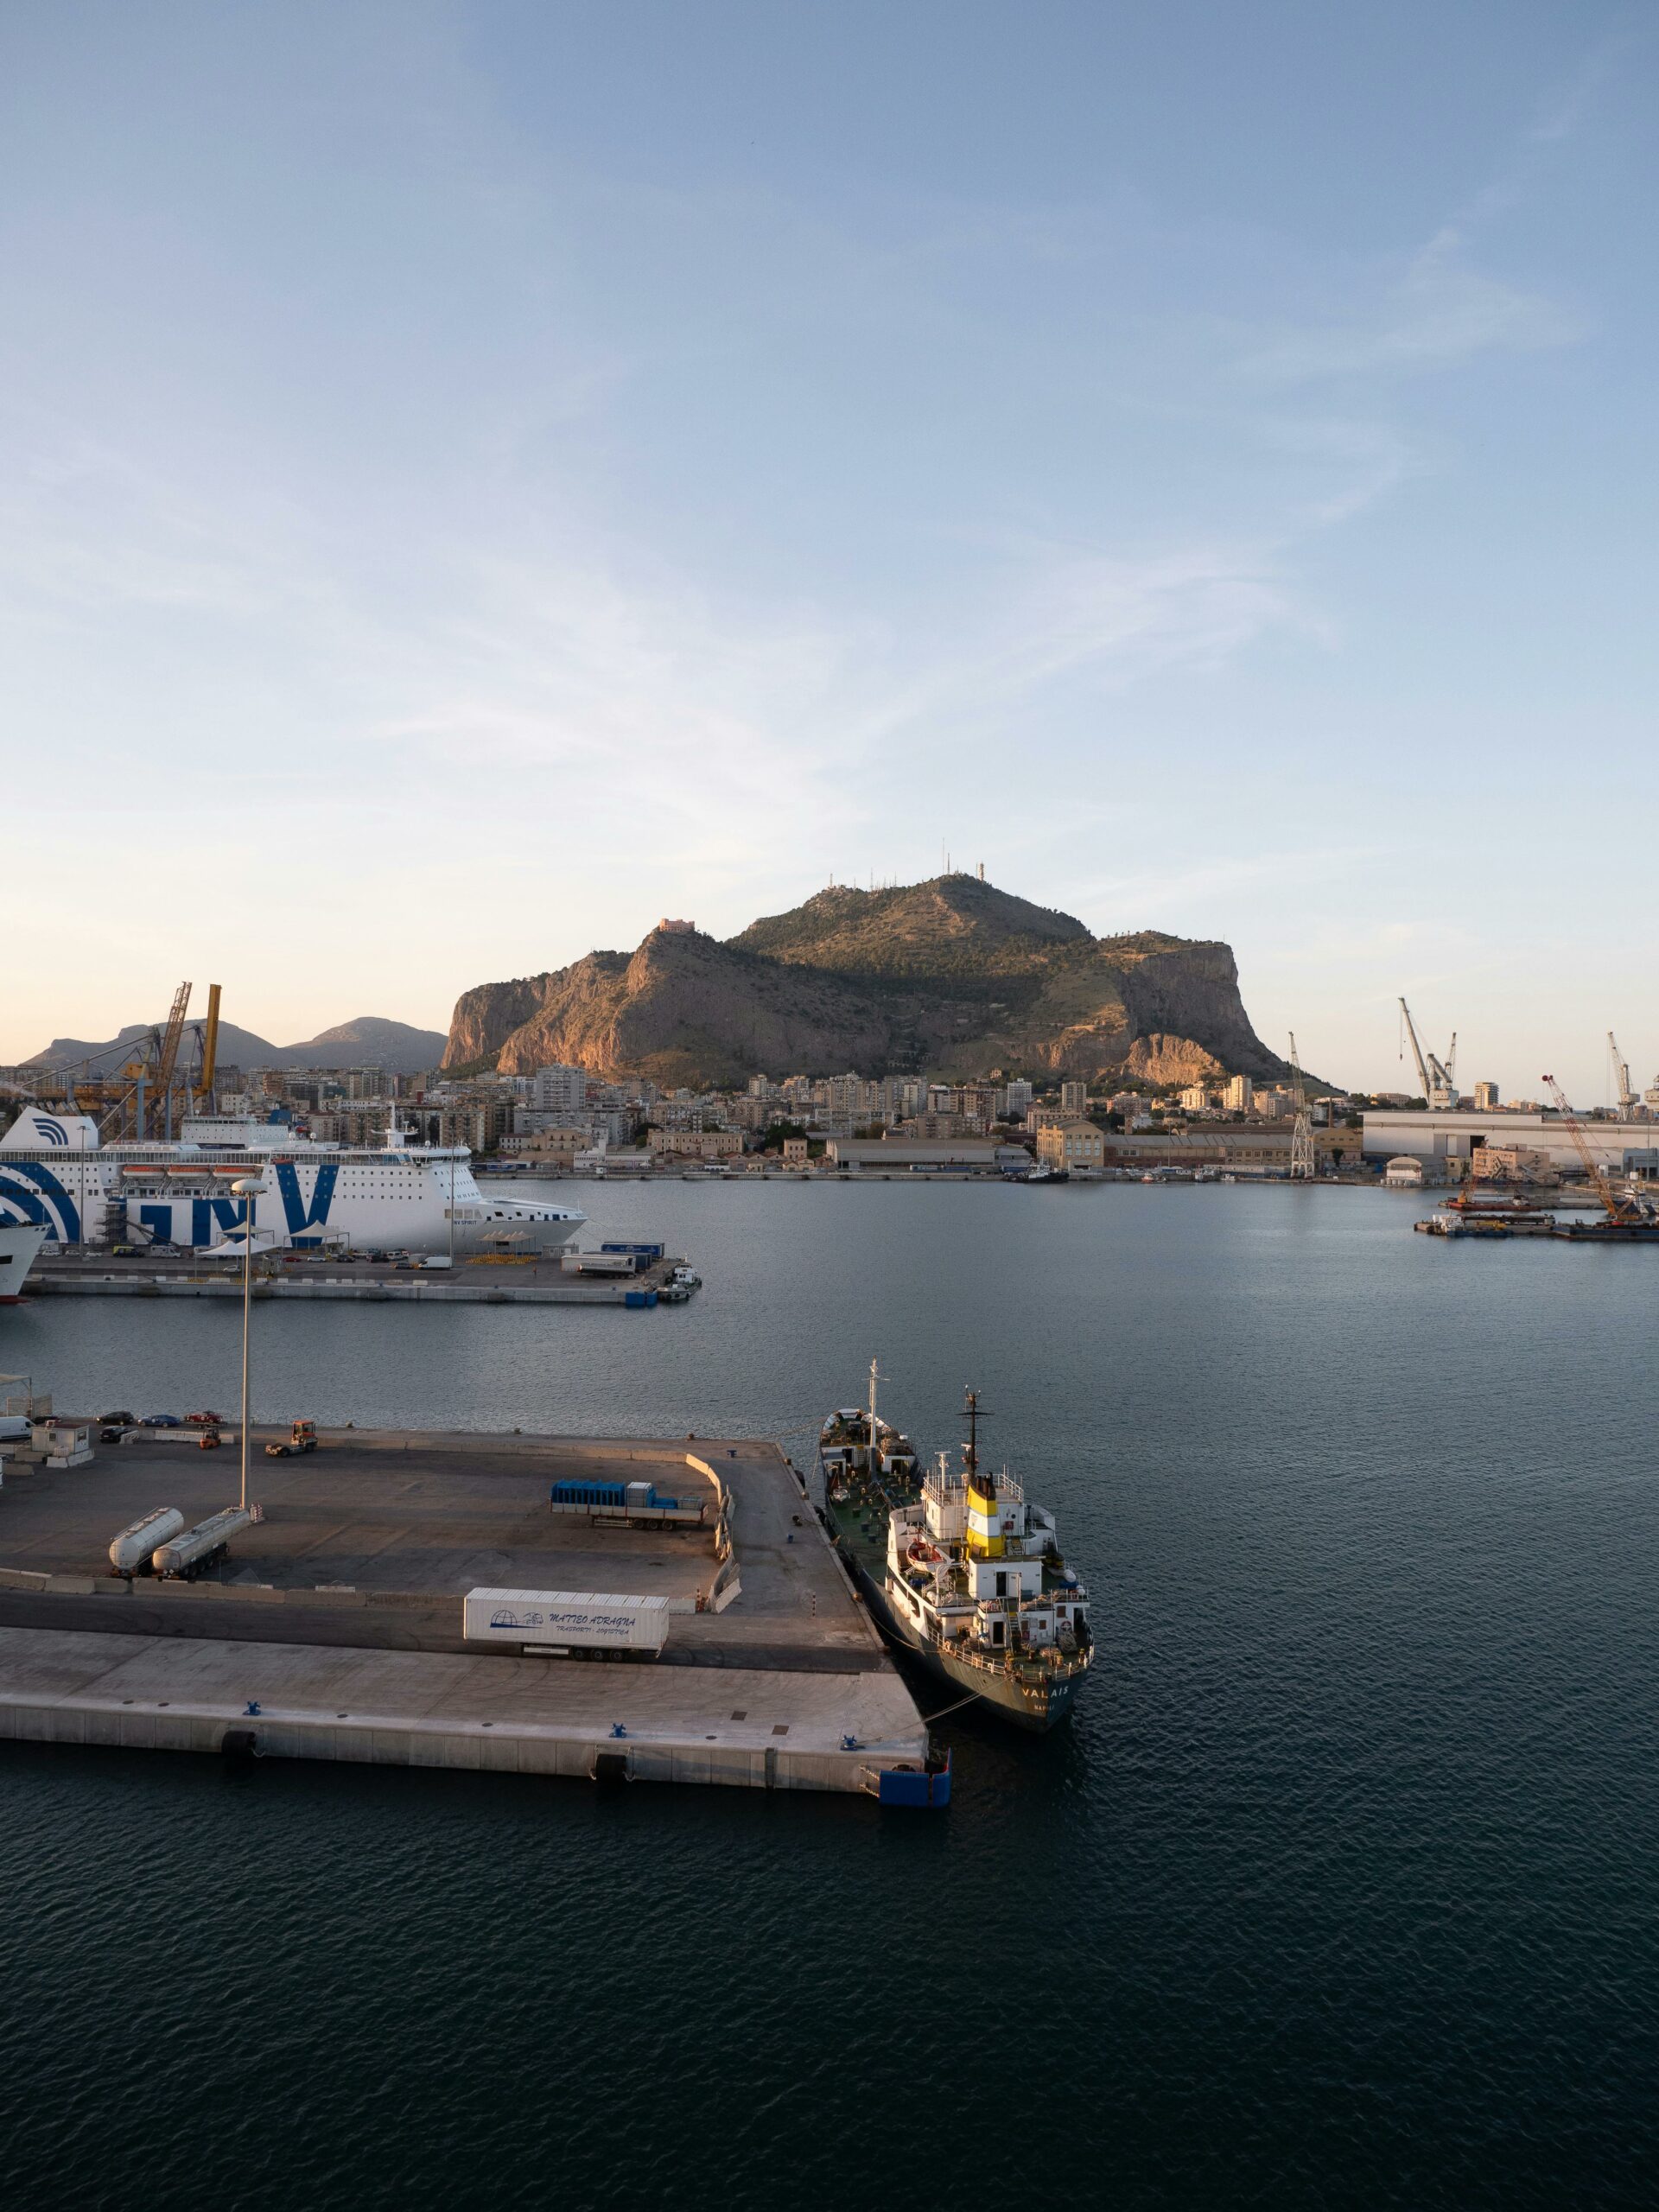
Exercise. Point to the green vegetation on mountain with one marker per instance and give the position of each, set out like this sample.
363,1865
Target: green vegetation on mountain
947,977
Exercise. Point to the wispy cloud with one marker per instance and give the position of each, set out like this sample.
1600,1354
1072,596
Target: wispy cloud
1438,313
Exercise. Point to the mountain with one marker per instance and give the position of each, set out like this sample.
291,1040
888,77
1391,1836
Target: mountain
949,977
369,1041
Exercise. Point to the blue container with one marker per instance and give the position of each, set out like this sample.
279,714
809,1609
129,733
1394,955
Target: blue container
639,1251
576,1493
897,1786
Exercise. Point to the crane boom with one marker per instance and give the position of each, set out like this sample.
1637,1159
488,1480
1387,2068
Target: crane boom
167,1058
1416,1051
209,1050
1616,1209
1622,1077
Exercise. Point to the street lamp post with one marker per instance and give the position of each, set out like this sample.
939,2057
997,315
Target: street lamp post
247,1189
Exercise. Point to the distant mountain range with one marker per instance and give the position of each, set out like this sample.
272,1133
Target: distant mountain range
368,1041
950,978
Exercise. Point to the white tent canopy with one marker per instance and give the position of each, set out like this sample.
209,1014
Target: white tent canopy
236,1246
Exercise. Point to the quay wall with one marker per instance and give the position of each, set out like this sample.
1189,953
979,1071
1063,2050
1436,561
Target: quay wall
469,1746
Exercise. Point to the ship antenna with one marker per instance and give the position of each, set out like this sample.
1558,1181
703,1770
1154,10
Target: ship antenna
970,1450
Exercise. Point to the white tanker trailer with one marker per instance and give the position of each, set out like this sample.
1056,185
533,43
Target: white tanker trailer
186,1555
130,1553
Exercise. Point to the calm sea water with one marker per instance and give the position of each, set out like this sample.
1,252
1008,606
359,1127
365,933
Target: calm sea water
1340,1891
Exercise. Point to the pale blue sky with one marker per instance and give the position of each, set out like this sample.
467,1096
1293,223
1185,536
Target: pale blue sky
519,470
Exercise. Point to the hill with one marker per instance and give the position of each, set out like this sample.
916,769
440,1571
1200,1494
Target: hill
370,1040
952,977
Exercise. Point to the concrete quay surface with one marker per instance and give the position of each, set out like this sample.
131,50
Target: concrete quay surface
766,1730
344,1602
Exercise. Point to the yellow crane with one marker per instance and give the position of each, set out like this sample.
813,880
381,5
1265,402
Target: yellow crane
1617,1209
209,1052
166,1059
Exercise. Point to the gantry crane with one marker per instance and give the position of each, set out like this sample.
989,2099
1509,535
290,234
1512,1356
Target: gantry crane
1438,1077
1301,1135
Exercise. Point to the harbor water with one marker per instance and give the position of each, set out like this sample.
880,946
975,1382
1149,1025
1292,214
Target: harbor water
1338,1891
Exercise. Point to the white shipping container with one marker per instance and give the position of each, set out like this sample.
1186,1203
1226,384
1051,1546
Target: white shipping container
587,1620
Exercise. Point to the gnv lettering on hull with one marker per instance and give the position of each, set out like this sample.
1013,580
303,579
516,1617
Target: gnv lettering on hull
322,1196
228,1214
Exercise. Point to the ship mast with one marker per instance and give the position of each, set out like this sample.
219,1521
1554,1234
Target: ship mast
873,1380
970,1449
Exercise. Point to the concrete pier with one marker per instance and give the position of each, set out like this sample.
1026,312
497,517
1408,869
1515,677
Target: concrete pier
475,1281
757,1730
339,1615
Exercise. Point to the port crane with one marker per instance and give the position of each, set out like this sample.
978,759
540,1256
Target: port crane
140,1102
1301,1135
1623,1210
1627,1098
1437,1075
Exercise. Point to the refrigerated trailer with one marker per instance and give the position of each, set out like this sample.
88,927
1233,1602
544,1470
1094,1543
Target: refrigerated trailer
566,1620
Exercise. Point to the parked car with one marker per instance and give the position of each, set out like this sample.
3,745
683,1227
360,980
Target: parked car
204,1421
161,1421
118,1421
124,1251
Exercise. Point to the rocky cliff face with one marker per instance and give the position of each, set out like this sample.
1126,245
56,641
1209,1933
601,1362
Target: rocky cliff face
947,977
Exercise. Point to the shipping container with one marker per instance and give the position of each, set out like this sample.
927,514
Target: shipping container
639,1251
577,1493
580,1620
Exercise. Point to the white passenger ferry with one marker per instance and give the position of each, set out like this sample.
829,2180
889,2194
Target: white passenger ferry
20,1243
55,1173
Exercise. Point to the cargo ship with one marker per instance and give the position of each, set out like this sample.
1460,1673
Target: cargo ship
957,1565
19,1242
57,1174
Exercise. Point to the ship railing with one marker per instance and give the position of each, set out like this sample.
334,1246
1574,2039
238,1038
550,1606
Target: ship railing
1013,1659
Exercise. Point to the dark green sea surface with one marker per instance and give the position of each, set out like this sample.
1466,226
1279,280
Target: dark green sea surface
1342,1890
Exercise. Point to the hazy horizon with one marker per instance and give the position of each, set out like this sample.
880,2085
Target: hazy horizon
474,478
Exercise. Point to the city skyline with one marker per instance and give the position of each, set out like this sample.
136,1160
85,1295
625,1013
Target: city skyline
478,479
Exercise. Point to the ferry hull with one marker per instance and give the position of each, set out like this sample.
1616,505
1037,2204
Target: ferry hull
20,1243
1037,1710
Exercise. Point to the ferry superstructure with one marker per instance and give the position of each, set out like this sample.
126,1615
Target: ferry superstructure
958,1564
57,1174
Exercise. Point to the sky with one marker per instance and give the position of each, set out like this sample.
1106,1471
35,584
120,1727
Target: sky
476,479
